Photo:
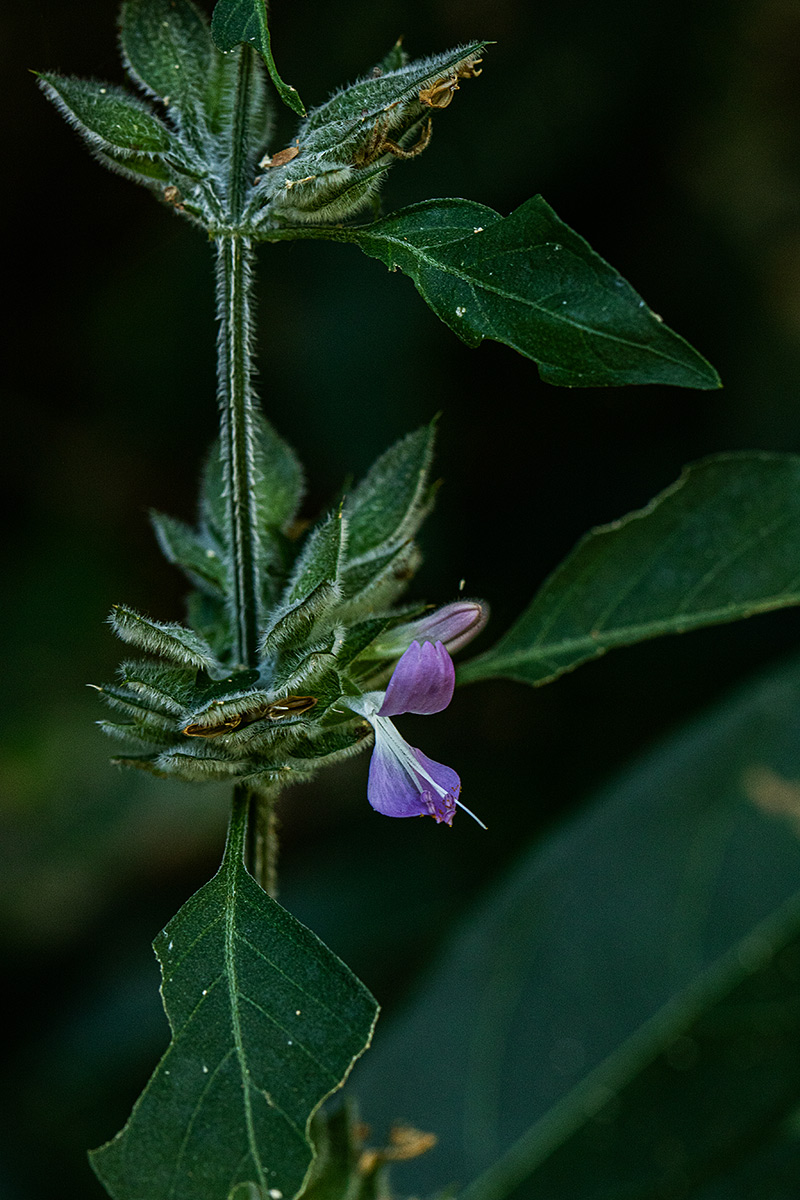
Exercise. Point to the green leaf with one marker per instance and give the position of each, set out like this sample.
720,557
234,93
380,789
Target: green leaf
312,588
375,584
108,117
195,553
172,641
165,689
150,172
266,1022
392,94
133,704
721,543
319,560
337,161
389,504
279,484
394,60
620,1017
529,281
168,50
277,493
245,21
341,1169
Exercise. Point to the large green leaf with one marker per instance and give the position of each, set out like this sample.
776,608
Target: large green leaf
266,1022
530,281
721,543
237,21
620,1018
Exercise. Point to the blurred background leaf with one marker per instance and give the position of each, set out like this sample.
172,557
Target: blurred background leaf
621,1017
667,134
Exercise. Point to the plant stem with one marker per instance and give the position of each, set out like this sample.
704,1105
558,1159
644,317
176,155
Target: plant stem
238,415
262,841
237,420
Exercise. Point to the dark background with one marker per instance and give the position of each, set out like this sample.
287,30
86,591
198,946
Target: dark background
668,134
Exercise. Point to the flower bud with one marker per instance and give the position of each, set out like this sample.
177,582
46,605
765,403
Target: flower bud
453,626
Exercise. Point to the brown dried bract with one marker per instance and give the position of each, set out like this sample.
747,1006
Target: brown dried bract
404,1143
288,707
440,93
378,144
470,70
282,157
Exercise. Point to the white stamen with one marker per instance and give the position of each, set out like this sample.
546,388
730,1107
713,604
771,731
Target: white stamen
367,705
470,813
412,766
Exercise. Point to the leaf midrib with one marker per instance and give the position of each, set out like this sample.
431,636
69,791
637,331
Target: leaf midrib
233,995
598,642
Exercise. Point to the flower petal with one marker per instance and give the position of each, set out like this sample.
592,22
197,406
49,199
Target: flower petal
423,681
404,782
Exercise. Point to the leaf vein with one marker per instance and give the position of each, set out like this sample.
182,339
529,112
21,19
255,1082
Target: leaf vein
294,1042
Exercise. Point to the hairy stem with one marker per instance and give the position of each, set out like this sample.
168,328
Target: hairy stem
237,437
262,841
237,418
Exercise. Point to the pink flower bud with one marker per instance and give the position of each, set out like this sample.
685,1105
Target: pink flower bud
453,626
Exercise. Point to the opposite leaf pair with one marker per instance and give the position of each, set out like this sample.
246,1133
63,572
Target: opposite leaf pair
186,148
526,280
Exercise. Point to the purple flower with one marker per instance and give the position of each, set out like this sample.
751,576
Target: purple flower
404,782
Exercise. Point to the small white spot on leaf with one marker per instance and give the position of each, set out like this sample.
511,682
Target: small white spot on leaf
460,311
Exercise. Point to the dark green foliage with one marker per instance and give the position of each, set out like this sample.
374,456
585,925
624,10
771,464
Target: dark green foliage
342,1166
720,544
245,21
265,1022
345,147
527,280
167,51
622,1014
108,117
530,281
389,504
326,599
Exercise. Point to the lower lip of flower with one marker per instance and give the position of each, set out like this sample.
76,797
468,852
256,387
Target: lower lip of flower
406,757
